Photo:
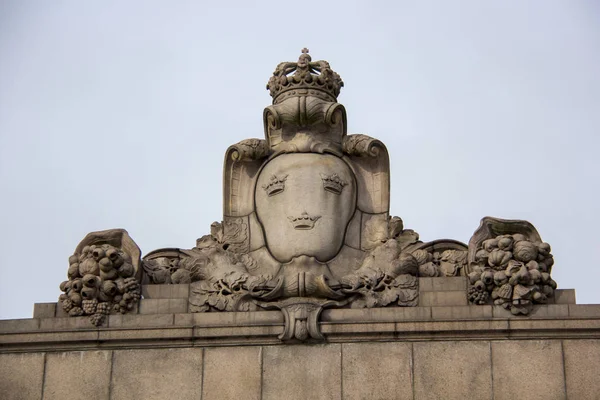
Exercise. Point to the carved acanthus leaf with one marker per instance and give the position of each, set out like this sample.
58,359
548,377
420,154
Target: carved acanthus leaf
386,277
395,227
235,234
376,233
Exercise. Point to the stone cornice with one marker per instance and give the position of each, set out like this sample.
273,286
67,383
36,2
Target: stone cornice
263,328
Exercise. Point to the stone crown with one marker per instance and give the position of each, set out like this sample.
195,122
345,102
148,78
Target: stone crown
275,185
333,183
304,221
304,77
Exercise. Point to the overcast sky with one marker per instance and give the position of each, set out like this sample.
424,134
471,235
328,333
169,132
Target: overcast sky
117,114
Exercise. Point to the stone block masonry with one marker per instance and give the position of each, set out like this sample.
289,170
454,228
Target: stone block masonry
449,369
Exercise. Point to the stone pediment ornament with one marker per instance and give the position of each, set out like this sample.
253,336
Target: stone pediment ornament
306,226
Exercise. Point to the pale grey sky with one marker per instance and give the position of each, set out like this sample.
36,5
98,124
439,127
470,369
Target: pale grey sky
118,113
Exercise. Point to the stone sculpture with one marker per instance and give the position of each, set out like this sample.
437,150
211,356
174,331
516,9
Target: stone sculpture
509,263
104,274
306,226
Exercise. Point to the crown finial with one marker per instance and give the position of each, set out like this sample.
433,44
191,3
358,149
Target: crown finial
304,78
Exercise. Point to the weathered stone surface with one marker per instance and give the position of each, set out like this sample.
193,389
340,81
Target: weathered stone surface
66,323
550,311
537,310
443,298
528,369
365,315
44,310
163,306
376,371
211,334
157,374
425,284
148,336
78,375
452,370
47,340
288,372
21,376
139,320
381,329
556,327
173,291
60,312
449,283
19,325
299,214
584,310
221,319
461,312
564,296
232,373
582,363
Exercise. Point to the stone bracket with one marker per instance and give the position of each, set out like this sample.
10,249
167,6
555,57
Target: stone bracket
301,316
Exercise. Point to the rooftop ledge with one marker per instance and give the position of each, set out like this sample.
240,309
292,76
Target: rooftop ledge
162,320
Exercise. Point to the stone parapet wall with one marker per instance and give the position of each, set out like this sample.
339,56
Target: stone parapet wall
442,348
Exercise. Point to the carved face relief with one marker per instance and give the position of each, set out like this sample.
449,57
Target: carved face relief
304,203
